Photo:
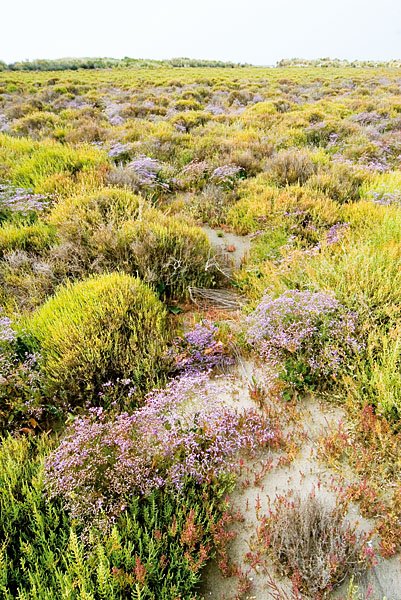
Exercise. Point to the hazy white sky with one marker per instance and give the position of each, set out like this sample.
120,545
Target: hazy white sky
256,31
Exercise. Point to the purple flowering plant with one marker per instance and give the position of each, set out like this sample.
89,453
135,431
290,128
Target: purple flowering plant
199,350
307,336
18,202
226,176
20,382
148,174
182,433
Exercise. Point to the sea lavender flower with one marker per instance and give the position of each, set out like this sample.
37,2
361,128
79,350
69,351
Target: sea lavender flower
21,200
387,198
147,172
336,232
199,350
120,151
182,432
7,333
304,330
226,175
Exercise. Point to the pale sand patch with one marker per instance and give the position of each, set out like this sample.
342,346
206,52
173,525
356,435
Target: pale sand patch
305,474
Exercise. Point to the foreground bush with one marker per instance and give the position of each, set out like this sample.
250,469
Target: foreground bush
104,328
309,336
182,433
314,545
155,550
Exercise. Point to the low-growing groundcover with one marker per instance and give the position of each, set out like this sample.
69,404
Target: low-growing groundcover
126,506
308,336
182,433
155,550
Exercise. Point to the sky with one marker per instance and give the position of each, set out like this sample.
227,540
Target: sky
255,31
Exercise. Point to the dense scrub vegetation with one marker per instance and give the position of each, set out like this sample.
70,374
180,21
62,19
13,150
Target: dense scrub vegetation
117,449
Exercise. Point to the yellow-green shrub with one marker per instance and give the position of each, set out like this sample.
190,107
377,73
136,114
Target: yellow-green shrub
341,183
35,237
169,255
78,217
29,164
110,327
261,204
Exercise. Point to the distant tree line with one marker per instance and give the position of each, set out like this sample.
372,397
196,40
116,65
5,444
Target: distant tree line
63,64
336,62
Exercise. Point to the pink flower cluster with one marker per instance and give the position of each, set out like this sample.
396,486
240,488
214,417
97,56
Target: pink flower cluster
182,432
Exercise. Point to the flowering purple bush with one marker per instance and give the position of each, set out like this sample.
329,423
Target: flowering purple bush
336,232
7,333
199,350
308,335
183,432
226,175
386,198
120,151
14,200
146,170
20,381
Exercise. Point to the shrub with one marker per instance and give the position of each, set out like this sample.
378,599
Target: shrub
186,121
32,238
226,176
182,433
170,256
308,335
155,549
36,124
341,182
21,403
209,205
144,175
288,167
31,164
20,205
314,545
199,350
77,218
104,328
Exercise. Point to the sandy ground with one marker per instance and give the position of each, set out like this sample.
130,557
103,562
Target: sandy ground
304,474
234,247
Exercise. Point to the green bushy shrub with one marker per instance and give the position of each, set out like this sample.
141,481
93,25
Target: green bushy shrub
31,164
341,183
106,328
288,167
171,256
156,550
32,238
77,218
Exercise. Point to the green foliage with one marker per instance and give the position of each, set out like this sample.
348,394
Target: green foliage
170,255
110,327
31,164
32,238
82,219
155,551
340,183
